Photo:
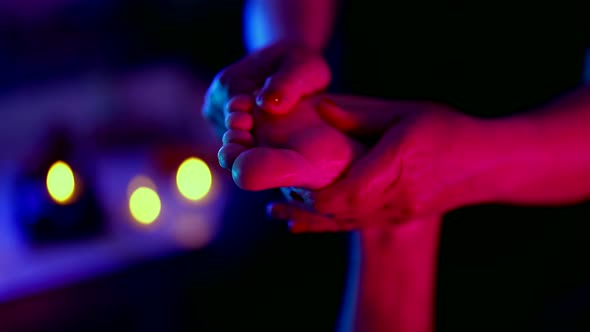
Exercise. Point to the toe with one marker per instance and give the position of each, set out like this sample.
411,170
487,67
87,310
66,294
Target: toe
228,154
266,168
240,103
239,121
241,137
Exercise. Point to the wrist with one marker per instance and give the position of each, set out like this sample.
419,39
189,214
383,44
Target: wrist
397,277
474,170
497,162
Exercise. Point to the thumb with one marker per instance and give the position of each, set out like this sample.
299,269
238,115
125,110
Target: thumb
369,181
360,116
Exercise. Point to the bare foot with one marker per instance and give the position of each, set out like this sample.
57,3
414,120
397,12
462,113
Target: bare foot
298,149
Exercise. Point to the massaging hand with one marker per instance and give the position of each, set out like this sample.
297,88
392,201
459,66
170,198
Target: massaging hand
410,172
279,75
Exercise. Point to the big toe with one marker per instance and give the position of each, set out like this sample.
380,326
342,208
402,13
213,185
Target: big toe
267,168
228,154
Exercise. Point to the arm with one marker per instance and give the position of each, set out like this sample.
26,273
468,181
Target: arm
541,157
430,161
434,159
306,22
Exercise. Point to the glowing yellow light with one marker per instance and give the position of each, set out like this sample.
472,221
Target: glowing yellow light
144,205
60,182
193,179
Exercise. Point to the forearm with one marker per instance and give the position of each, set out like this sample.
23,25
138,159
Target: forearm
397,280
307,22
541,157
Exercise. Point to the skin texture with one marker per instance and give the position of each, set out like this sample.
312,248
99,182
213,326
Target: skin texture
294,150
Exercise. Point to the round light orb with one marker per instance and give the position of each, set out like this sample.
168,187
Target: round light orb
61,183
145,205
193,179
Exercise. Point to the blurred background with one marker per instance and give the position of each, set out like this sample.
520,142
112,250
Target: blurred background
114,214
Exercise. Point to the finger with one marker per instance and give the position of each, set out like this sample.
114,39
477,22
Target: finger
358,115
368,183
239,121
241,137
297,76
301,220
228,154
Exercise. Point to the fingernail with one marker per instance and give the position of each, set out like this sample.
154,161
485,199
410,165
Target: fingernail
268,99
